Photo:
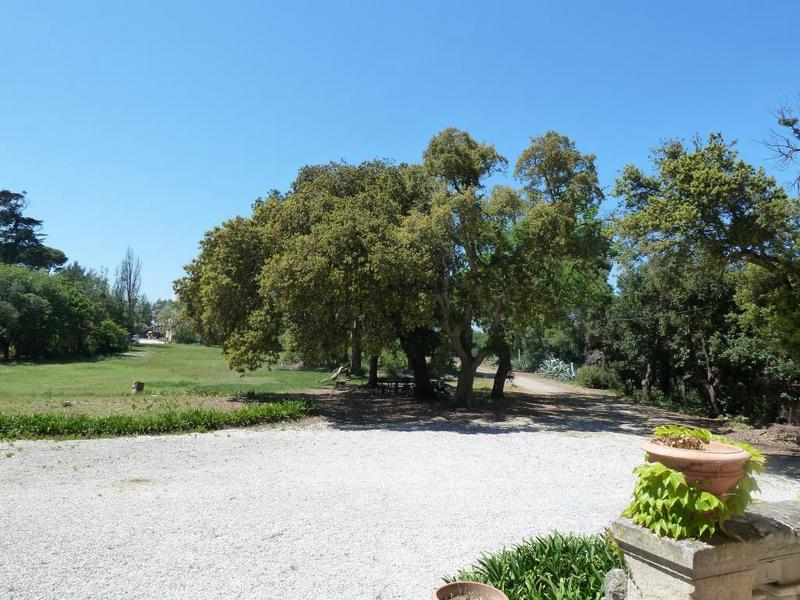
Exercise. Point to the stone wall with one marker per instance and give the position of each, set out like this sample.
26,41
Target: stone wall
758,559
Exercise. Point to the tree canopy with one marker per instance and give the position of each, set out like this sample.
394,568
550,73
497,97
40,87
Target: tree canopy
358,256
431,258
708,300
21,240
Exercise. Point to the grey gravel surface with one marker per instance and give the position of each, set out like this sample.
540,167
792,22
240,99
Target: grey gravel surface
305,511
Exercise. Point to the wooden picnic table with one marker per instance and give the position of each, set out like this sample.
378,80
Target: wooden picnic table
396,385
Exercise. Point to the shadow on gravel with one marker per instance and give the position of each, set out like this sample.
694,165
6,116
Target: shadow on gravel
787,465
358,408
517,412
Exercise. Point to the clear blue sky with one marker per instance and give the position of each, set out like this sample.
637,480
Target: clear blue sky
147,123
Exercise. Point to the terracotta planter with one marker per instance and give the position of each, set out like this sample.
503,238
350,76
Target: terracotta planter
458,588
716,468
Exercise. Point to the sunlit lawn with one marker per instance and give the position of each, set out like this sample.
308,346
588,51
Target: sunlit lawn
175,376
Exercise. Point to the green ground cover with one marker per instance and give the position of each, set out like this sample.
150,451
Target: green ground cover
187,388
77,425
553,567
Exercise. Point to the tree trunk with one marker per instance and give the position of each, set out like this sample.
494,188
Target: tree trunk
462,346
355,357
647,382
466,379
503,368
418,364
6,350
712,381
422,380
373,372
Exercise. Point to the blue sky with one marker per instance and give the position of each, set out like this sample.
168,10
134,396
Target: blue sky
147,123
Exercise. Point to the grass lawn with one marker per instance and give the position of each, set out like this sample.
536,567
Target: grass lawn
175,376
187,388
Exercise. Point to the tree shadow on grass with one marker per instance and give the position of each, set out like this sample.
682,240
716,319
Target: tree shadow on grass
253,397
134,351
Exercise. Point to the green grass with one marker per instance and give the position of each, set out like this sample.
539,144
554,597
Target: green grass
46,425
187,388
556,567
175,376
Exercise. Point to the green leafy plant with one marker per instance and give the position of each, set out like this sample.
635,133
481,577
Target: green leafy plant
666,504
49,425
566,567
596,377
678,436
555,368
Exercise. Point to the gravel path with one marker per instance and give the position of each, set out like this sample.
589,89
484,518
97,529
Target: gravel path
306,511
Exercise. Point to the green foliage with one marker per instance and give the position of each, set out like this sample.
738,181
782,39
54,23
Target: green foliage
710,283
666,504
171,318
45,315
596,377
48,425
460,160
373,253
319,266
690,403
558,566
509,258
679,432
693,335
109,338
393,360
555,368
20,238
706,199
564,338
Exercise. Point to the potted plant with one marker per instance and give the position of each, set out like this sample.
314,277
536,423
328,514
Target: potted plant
468,590
716,466
692,482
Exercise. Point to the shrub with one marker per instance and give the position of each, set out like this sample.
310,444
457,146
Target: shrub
596,377
393,360
692,404
568,567
108,338
45,425
557,369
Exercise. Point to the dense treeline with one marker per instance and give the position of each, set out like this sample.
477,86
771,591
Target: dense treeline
51,310
705,314
43,315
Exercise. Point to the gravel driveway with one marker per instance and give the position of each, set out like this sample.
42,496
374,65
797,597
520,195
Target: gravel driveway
306,511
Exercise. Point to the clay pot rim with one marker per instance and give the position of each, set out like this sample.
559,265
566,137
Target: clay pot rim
476,587
714,451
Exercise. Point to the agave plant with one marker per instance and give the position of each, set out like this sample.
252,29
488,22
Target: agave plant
557,369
